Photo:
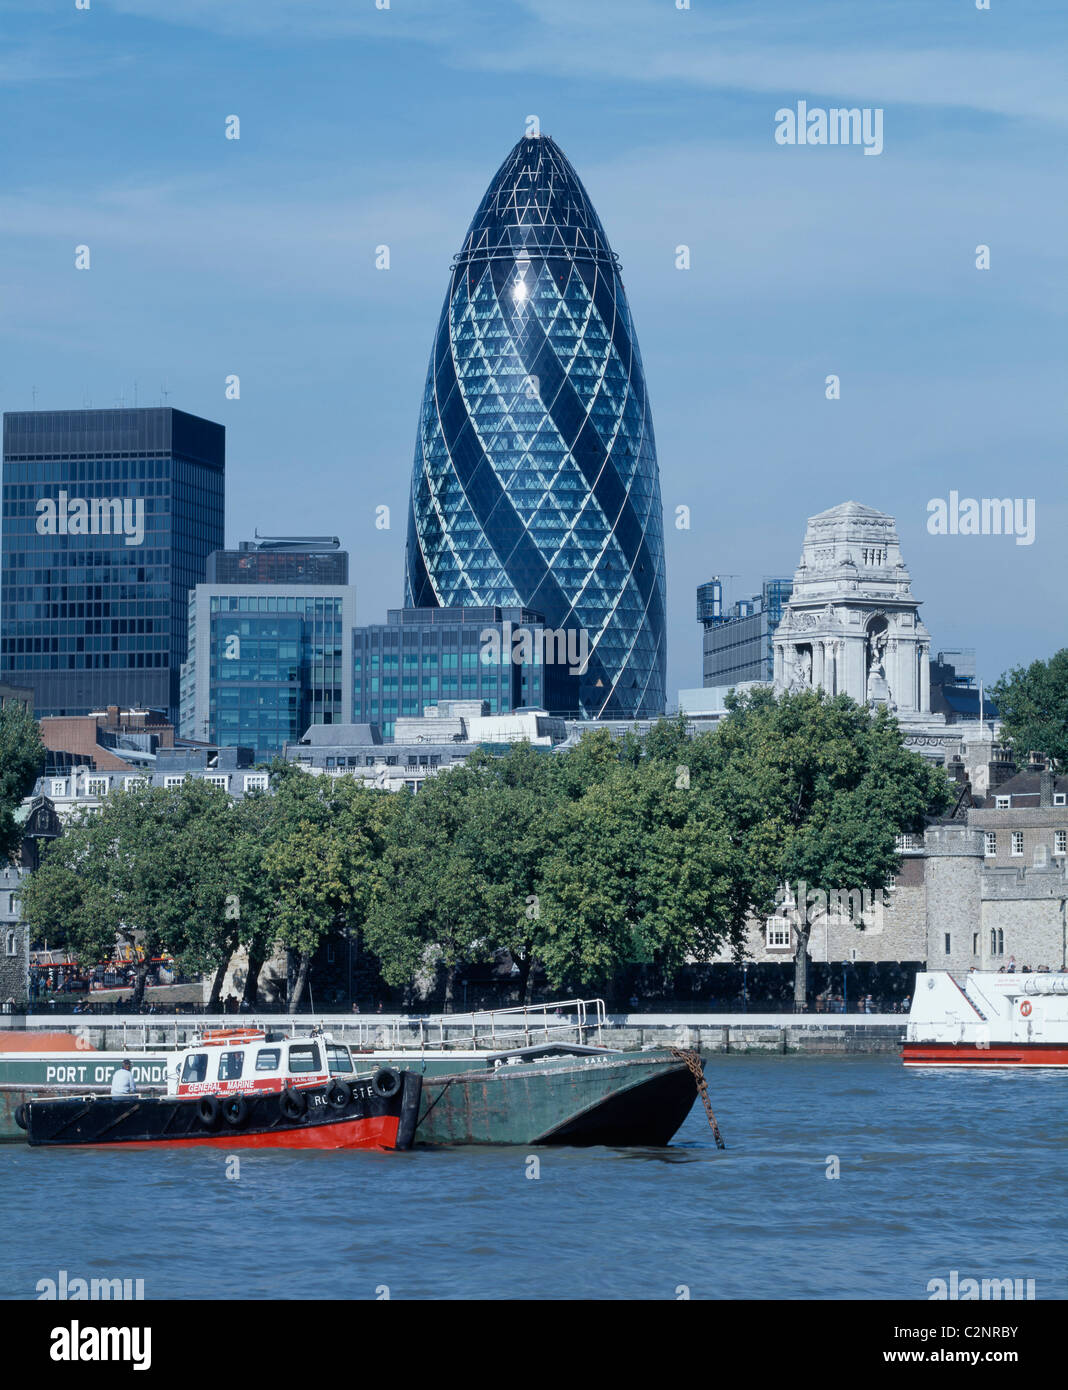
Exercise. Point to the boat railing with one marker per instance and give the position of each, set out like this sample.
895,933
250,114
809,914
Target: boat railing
567,1020
525,1025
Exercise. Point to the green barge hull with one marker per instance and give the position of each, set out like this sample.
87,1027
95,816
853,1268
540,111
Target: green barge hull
619,1099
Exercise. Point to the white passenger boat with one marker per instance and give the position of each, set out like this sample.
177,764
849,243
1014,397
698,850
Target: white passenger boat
988,1019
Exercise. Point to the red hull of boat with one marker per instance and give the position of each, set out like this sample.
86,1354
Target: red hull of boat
379,1132
996,1055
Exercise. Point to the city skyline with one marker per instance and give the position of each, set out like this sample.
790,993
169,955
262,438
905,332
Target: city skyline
257,258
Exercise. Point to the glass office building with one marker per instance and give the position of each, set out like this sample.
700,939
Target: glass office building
419,656
108,517
268,658
739,645
535,481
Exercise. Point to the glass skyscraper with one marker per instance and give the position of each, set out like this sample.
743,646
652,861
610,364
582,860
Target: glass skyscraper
108,518
269,644
535,481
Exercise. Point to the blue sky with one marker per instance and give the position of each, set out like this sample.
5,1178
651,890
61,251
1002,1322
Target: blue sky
362,126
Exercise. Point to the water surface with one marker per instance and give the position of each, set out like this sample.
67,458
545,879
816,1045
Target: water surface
939,1171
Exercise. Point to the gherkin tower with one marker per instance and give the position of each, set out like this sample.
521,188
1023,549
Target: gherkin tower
535,480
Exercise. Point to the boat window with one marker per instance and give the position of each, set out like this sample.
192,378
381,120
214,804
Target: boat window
339,1059
304,1057
230,1064
196,1067
267,1059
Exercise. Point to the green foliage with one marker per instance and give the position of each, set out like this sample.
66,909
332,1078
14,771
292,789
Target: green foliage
1033,705
149,867
654,850
22,756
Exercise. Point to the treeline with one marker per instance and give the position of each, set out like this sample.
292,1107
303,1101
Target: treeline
634,850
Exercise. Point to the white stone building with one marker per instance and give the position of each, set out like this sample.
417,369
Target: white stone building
852,625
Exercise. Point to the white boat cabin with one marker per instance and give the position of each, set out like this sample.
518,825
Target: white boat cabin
251,1059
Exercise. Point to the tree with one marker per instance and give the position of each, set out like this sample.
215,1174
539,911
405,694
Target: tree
321,863
819,791
148,868
640,869
1033,705
22,756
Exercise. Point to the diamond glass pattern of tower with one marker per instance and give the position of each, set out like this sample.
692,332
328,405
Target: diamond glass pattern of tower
535,480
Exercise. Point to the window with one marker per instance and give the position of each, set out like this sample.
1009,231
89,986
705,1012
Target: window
339,1059
230,1064
195,1069
267,1058
256,782
1060,798
173,781
975,943
12,944
97,786
991,842
1017,842
59,787
1060,841
304,1057
997,941
129,782
1003,802
949,944
218,779
777,936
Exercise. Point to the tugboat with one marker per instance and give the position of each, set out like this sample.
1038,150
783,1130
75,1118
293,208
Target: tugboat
989,1020
244,1088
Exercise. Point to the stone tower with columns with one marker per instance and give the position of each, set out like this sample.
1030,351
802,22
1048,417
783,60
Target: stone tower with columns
852,626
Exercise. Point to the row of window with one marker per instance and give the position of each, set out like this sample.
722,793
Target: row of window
100,786
1004,803
1060,842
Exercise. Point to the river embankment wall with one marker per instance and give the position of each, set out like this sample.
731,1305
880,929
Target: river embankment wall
711,1033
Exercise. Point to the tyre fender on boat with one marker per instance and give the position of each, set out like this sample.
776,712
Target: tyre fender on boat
339,1094
235,1110
20,1117
208,1111
386,1082
292,1103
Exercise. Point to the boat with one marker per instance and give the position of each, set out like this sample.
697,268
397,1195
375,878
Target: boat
539,1074
988,1019
244,1088
576,1096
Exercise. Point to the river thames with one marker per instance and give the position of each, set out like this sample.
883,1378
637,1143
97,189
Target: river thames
937,1172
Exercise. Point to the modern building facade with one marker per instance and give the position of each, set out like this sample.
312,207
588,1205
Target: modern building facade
506,657
108,518
269,653
739,644
535,482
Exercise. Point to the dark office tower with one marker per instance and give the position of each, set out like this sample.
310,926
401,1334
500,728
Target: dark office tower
535,481
108,518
